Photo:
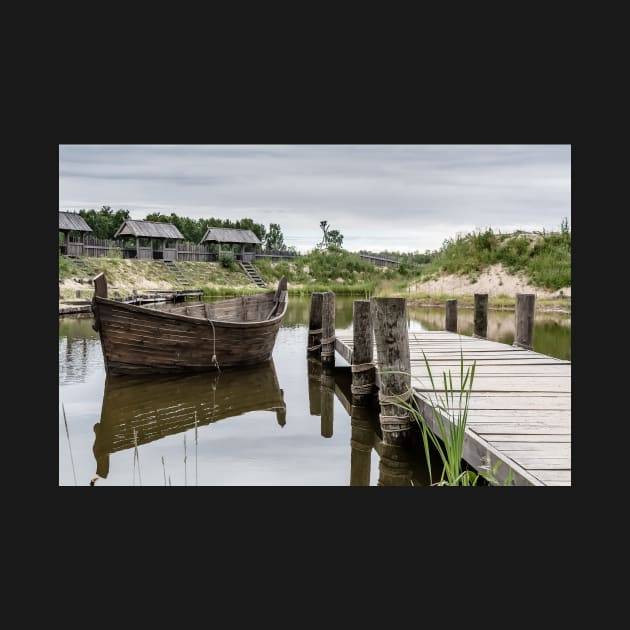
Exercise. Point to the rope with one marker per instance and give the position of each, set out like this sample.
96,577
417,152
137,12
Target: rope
214,361
331,350
361,367
395,399
315,331
362,390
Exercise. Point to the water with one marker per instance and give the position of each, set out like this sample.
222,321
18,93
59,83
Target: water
281,423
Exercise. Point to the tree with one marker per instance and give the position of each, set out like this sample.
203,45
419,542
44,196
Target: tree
331,238
275,239
104,222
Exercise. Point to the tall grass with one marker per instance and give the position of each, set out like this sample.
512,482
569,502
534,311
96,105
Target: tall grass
544,258
449,407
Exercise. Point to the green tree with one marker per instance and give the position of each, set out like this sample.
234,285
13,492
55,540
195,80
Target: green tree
104,222
275,239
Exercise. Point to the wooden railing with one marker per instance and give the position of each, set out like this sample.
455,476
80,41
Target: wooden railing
379,261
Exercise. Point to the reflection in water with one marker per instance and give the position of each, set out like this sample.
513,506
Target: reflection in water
151,407
257,448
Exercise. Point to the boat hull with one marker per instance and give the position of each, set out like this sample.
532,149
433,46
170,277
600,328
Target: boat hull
140,340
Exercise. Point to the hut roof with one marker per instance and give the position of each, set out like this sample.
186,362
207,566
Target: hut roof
73,221
148,229
229,235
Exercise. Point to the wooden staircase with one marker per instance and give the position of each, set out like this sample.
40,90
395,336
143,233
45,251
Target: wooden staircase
251,272
179,276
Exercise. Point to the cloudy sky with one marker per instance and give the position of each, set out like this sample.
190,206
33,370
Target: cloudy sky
396,197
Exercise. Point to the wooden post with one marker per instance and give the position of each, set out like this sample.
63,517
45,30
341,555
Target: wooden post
314,343
524,327
451,315
363,370
78,293
327,401
480,328
328,329
314,369
361,444
389,319
394,466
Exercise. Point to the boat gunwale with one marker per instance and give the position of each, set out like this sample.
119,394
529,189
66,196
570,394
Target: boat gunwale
132,308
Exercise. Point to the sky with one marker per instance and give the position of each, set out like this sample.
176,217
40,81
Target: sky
380,197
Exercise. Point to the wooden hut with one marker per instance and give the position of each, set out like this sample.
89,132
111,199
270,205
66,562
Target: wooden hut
73,227
154,240
233,237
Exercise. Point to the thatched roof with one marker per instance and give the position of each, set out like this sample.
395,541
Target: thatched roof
148,229
229,235
73,221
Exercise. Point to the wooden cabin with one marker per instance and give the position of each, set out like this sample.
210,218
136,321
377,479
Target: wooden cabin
244,240
153,240
74,228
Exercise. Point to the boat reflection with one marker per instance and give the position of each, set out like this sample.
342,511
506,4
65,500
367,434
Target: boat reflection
153,407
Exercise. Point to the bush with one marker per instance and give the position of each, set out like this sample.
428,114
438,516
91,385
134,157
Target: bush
227,261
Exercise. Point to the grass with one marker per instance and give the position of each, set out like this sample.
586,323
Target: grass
450,406
545,258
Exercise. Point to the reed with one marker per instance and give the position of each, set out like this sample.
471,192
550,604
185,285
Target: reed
164,469
450,405
196,470
185,458
136,458
74,474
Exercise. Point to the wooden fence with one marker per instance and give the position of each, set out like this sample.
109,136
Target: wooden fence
185,251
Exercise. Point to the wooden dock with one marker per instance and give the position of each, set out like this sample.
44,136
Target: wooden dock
520,406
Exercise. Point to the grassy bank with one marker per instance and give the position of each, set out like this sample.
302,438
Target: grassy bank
544,258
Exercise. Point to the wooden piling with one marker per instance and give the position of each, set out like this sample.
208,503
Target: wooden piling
314,370
363,370
327,393
314,344
78,293
389,320
524,325
361,444
451,315
394,466
328,329
480,328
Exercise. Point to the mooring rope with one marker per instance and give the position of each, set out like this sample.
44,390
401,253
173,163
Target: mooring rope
385,399
214,361
315,331
330,351
361,367
362,390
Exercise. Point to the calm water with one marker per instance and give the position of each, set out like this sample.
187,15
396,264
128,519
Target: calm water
282,423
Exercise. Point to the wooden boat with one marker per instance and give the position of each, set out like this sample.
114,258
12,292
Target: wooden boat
149,408
235,332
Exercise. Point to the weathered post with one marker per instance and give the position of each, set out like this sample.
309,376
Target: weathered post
314,369
363,370
328,329
394,465
524,326
389,319
327,401
480,328
361,444
78,293
451,315
314,344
